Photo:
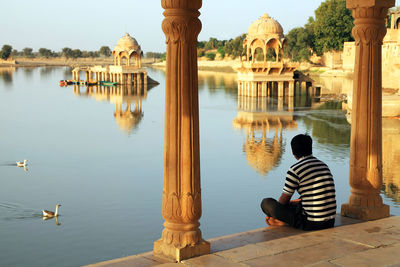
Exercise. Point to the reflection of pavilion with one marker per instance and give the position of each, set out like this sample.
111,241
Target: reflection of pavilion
263,152
127,99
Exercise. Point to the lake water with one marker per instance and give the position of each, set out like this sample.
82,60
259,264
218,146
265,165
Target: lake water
107,171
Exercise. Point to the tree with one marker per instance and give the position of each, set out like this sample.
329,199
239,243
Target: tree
5,52
66,52
234,47
44,52
299,43
105,51
76,53
221,51
210,55
332,27
153,55
27,52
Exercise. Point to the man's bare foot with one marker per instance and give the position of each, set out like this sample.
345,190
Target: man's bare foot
273,222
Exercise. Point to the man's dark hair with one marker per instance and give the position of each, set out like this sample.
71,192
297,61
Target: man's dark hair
301,145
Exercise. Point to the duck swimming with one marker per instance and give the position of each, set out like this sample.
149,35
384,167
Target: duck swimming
22,164
49,214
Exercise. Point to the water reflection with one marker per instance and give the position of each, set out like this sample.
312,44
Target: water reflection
50,218
391,158
46,71
328,124
215,81
6,74
126,98
264,120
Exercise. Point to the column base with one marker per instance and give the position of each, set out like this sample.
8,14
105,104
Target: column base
180,253
365,213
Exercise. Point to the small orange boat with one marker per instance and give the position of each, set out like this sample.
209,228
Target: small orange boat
63,83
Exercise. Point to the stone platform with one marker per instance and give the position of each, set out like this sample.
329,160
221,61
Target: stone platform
350,243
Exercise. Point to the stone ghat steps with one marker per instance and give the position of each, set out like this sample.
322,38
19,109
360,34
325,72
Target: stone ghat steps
350,243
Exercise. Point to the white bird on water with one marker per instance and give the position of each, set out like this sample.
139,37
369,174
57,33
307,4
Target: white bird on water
22,164
50,214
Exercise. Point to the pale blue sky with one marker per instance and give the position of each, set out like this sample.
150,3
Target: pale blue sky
89,24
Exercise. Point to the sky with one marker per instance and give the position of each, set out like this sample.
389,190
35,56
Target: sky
90,24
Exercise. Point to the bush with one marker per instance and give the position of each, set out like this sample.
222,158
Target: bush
210,55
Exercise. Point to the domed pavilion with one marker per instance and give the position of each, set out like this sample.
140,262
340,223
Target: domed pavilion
265,33
127,49
263,71
127,68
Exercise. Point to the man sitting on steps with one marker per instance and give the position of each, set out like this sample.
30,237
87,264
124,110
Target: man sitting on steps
316,208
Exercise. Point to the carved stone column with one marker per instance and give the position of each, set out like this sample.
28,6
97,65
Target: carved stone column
291,89
181,204
280,89
365,202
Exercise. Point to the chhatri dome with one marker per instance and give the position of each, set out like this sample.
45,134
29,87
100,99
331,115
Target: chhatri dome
266,27
265,33
126,48
127,43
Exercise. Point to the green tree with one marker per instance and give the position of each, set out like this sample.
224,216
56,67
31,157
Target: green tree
210,55
66,52
298,44
76,53
27,52
234,47
105,51
332,27
15,53
5,51
44,52
221,51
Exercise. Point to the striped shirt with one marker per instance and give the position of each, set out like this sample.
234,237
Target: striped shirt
314,182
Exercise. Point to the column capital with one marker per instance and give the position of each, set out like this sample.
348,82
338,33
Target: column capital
353,4
190,5
181,21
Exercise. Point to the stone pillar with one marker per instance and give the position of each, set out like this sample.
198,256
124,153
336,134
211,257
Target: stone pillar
392,22
264,89
291,89
280,89
181,205
365,202
145,77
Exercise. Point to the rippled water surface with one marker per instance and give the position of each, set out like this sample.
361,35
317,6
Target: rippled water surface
104,165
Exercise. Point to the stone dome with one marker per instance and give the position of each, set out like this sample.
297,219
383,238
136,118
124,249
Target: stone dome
266,26
127,43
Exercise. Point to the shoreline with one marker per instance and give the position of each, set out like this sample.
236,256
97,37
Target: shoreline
221,66
57,62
